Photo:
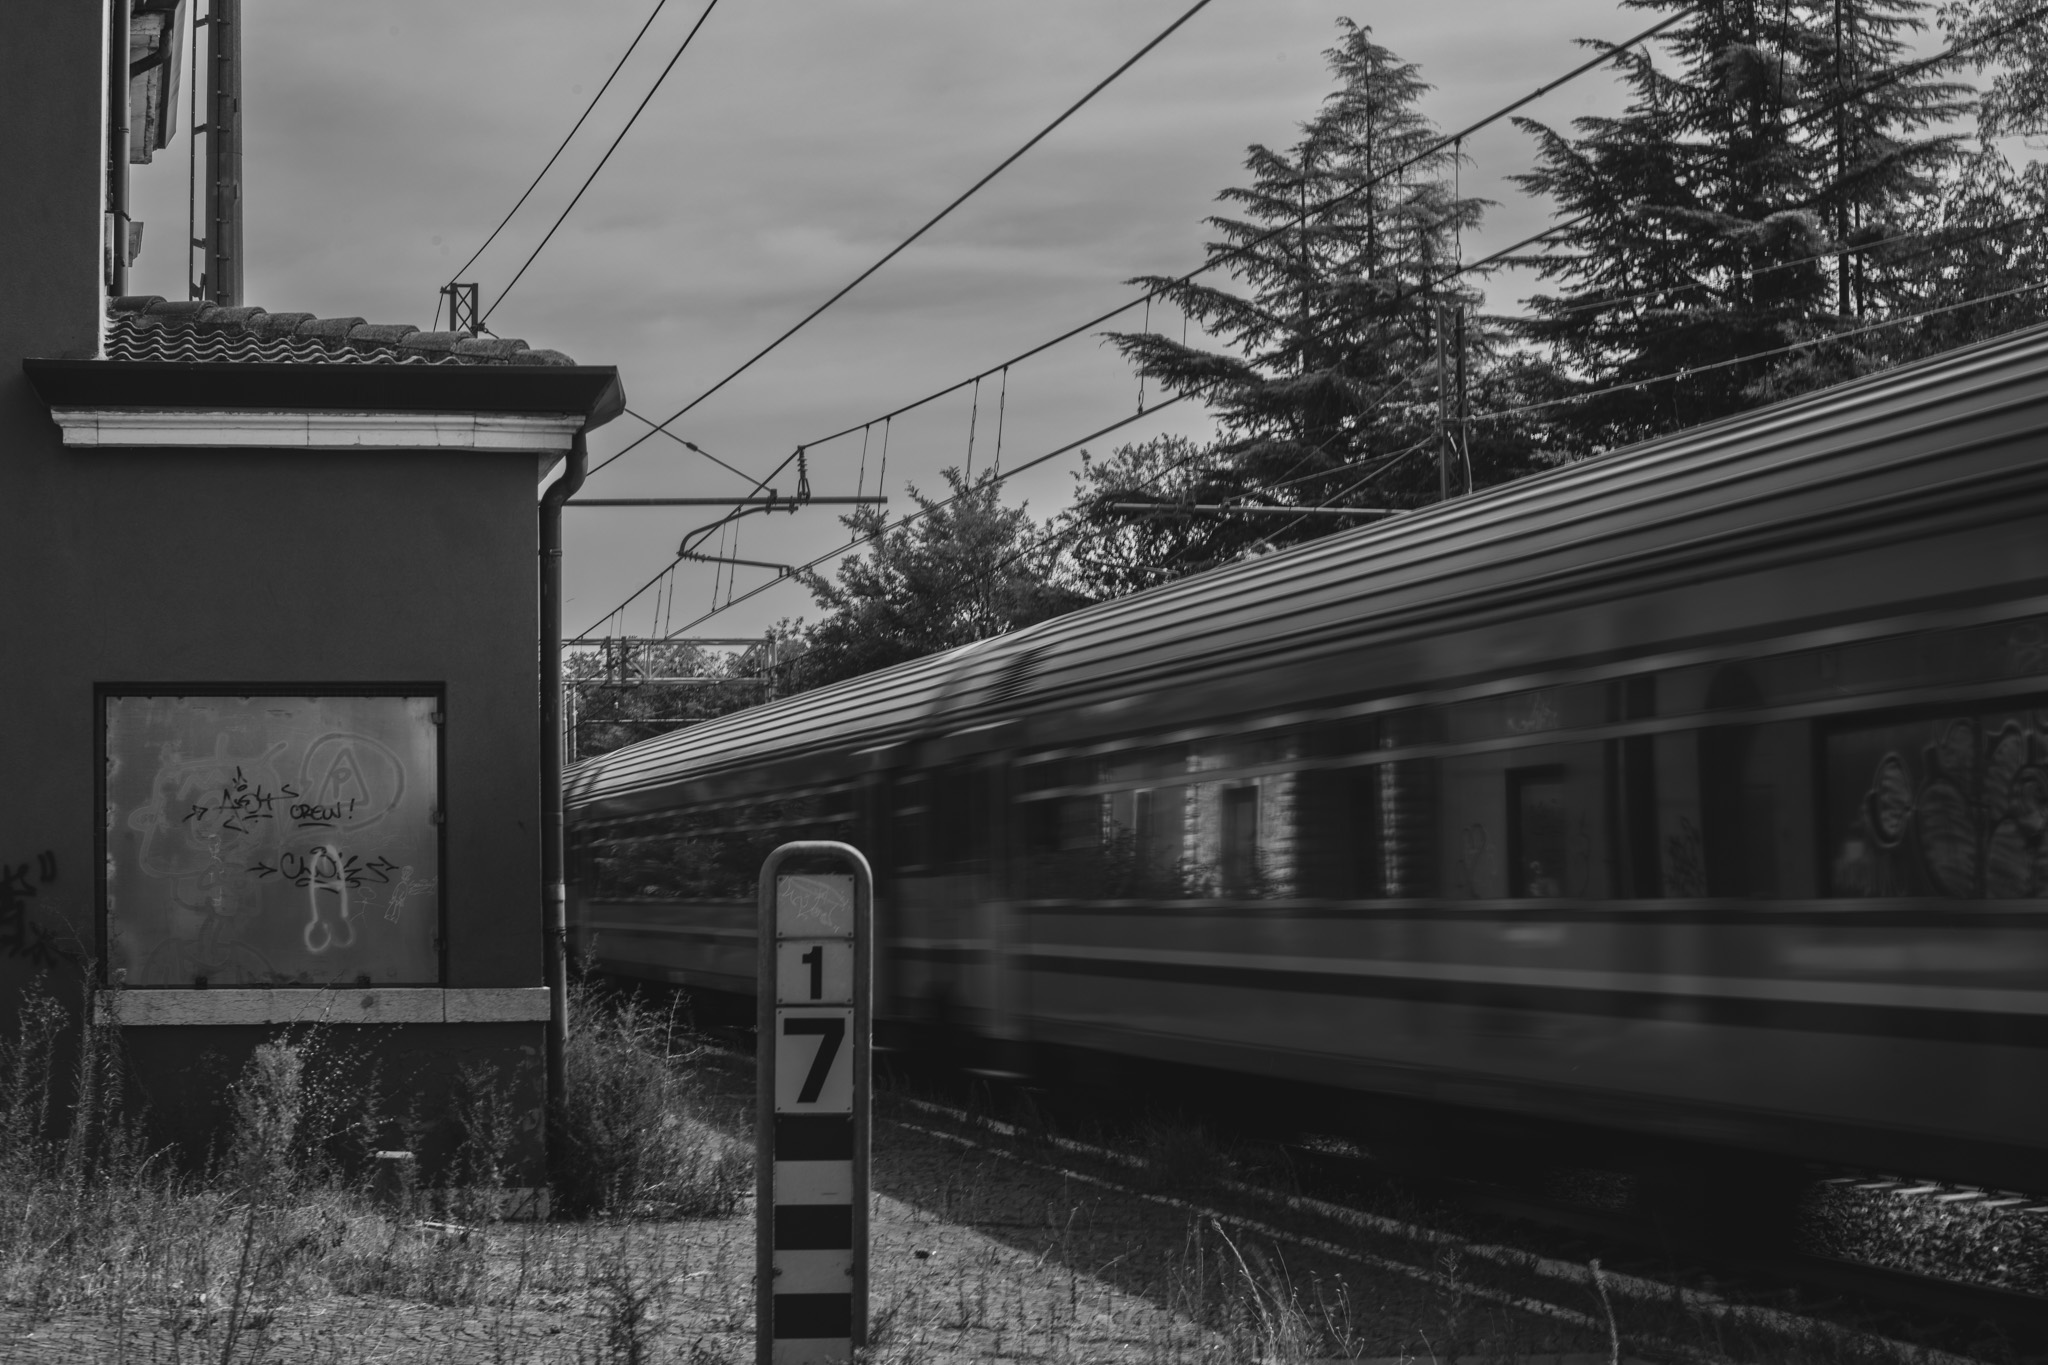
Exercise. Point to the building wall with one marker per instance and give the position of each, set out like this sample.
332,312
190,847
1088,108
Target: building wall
278,571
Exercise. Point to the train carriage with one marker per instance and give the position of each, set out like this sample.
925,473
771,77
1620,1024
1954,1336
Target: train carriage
1699,788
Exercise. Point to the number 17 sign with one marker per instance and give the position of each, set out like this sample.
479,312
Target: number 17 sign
811,1101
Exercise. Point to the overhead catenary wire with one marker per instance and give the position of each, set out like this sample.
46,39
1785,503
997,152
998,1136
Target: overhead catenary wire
578,127
888,421
689,445
562,217
1787,349
936,218
909,517
1493,258
973,421
1607,54
1945,243
1002,404
1454,140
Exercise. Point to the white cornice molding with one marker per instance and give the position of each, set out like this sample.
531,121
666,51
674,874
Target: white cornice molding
534,433
335,1005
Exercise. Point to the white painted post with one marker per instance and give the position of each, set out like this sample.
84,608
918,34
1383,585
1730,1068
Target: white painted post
814,969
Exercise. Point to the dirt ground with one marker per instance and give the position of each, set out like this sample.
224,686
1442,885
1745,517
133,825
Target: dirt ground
975,1257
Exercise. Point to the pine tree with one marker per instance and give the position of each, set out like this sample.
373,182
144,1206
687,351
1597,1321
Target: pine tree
1723,213
1869,108
1335,297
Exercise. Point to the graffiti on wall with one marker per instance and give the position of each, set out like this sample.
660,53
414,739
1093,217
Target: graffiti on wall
272,840
20,886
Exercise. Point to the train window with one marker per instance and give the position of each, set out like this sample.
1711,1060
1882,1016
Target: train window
1336,840
908,841
1947,803
957,819
704,853
1635,858
1142,853
1239,860
1539,832
1063,849
1751,780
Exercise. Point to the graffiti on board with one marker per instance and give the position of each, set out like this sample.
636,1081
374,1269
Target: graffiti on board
272,840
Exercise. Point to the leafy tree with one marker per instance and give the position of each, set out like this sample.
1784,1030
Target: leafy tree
1111,552
967,569
1723,213
1980,236
612,703
2010,38
1336,294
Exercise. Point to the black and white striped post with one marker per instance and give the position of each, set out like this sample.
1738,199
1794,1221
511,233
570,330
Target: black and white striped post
811,1106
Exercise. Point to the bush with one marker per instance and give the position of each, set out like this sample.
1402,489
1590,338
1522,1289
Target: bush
631,1137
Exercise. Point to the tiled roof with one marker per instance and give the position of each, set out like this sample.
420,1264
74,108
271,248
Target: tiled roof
148,327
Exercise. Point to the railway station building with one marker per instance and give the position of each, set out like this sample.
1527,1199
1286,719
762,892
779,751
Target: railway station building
272,585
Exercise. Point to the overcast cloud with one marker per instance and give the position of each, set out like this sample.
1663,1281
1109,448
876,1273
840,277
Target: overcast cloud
791,146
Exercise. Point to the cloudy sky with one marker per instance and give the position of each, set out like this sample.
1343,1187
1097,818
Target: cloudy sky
790,147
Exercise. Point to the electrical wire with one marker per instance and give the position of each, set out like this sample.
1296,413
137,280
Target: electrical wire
903,521
1002,404
683,47
1930,249
1691,370
1879,80
688,445
973,421
936,218
630,47
888,419
1607,53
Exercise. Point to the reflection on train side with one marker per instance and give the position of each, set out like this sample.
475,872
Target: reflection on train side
1728,893
1824,773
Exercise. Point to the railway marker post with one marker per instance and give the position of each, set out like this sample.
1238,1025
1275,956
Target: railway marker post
811,1118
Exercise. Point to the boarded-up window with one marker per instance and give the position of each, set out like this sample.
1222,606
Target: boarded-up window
273,841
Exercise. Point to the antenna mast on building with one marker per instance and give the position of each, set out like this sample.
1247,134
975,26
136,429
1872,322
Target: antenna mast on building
220,170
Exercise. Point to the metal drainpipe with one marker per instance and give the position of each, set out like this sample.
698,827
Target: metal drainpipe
120,21
553,860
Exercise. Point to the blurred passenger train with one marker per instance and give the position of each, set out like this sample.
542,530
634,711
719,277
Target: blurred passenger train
1696,789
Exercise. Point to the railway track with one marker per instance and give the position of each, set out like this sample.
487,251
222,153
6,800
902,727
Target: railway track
1551,1257
1646,1314
1887,1299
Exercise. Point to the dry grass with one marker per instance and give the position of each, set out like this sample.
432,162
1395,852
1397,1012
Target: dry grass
282,1251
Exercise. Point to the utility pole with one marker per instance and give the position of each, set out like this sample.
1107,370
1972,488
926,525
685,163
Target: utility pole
220,278
1464,408
1443,415
119,244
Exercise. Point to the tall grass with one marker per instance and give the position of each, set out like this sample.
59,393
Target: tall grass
633,1137
151,1253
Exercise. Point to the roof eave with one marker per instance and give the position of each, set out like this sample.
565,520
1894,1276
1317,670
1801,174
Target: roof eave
590,391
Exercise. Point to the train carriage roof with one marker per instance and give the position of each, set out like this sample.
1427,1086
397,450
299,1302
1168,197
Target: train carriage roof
1961,430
